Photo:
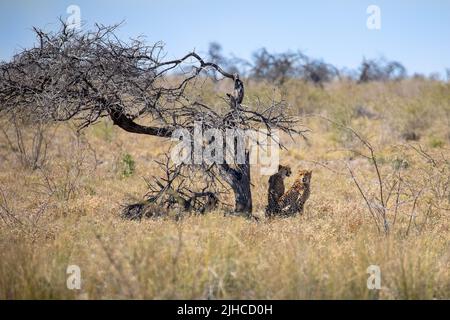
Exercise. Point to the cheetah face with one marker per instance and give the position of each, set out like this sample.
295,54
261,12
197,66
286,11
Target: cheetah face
285,171
306,176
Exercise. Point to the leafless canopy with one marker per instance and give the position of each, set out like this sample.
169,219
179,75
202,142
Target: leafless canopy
79,75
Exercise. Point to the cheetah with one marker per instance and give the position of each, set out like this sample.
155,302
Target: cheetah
276,189
293,201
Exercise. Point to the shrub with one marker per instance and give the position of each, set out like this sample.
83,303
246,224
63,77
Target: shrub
128,165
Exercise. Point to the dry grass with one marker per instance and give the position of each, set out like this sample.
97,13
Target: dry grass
67,212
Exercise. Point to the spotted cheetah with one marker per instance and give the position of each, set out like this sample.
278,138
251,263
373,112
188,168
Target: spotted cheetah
276,189
293,201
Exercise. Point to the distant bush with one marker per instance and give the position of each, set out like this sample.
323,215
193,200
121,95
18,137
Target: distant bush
279,67
381,70
318,72
436,142
128,165
274,67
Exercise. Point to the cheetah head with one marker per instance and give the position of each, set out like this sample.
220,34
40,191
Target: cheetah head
285,171
305,176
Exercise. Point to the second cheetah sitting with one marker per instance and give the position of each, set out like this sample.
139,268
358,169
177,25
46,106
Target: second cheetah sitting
293,201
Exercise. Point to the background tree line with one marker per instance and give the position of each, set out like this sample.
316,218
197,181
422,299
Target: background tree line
279,67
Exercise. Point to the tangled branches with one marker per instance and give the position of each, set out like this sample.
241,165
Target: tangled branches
88,75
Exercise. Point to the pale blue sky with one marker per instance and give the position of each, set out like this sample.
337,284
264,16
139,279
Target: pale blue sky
414,32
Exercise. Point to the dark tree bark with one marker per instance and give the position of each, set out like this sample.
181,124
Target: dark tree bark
239,180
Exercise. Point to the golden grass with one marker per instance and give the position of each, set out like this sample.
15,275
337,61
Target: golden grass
323,254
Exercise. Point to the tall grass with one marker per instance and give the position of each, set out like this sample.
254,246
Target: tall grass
323,254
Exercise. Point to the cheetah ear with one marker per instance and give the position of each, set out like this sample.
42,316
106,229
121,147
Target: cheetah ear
280,167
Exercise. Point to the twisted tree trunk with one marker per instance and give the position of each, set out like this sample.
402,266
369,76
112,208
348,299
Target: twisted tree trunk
240,181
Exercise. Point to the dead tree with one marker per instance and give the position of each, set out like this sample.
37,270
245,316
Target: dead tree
85,76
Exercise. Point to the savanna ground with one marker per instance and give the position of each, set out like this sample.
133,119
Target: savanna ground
63,208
